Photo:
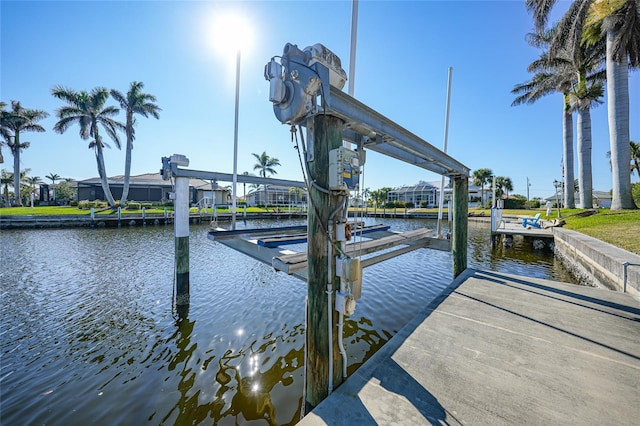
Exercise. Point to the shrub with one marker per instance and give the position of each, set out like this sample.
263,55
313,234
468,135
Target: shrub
132,205
514,203
146,205
73,203
96,204
635,192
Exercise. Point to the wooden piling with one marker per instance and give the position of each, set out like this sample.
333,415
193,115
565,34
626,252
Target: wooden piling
327,135
181,227
460,223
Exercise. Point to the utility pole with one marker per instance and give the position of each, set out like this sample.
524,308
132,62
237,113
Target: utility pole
528,185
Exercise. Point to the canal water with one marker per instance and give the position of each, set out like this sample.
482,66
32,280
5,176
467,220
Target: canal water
89,334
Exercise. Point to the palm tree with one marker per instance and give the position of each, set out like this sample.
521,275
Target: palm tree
619,22
366,194
53,177
544,83
136,102
13,122
586,62
89,111
244,186
503,185
297,191
634,148
578,77
379,196
481,178
635,156
6,179
2,131
266,165
33,181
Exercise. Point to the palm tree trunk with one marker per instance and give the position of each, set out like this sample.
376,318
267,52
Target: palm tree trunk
567,156
127,160
103,176
127,172
618,111
15,150
584,158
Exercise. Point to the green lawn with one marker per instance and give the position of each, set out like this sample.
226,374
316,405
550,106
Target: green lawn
620,228
67,210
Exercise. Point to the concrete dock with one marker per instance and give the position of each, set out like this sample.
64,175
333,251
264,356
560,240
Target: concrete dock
502,349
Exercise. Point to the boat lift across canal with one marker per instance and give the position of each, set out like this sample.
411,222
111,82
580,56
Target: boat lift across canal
306,91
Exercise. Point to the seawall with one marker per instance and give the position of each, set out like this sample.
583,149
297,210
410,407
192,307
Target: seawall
597,263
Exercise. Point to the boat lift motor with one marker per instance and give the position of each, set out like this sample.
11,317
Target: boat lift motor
299,78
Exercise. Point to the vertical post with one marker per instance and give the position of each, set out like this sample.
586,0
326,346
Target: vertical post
460,223
119,215
444,144
181,227
327,134
493,192
235,145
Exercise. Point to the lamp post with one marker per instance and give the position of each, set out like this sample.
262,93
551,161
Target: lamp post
556,185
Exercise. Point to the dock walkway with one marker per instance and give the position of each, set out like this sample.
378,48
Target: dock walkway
496,349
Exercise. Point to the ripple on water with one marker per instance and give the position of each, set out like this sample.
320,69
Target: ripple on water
90,325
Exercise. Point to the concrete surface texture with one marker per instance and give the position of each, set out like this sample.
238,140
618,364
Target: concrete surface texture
596,262
502,349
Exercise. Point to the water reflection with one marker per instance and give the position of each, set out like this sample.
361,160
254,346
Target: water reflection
89,334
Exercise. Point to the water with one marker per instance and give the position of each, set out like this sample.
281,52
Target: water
89,334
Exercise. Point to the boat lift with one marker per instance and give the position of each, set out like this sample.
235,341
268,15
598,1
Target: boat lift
308,83
306,91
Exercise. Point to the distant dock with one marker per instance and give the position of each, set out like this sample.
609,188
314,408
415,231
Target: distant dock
497,348
515,228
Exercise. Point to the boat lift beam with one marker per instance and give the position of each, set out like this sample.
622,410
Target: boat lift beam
303,76
371,130
170,168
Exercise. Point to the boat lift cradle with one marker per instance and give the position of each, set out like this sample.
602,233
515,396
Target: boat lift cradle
307,83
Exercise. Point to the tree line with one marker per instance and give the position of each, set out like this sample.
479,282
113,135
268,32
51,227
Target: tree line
596,42
90,112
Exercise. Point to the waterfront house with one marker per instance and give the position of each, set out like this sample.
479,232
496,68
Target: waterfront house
601,199
275,195
429,193
150,187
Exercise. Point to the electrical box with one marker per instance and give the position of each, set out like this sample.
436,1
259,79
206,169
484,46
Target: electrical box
350,270
344,169
345,303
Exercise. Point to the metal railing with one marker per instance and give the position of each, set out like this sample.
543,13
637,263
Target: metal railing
625,274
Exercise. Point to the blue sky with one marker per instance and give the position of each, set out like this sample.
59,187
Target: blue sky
403,53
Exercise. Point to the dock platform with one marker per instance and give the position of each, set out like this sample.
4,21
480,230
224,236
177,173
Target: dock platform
514,227
496,349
